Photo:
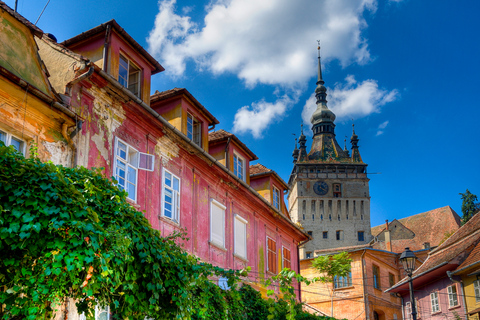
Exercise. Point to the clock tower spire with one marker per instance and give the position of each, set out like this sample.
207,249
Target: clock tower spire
329,194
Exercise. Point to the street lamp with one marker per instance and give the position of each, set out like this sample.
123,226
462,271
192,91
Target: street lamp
407,258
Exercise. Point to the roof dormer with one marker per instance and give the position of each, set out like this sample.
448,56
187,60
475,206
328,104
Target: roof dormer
232,153
185,113
113,50
269,185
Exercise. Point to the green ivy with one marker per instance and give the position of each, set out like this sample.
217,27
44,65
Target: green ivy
70,233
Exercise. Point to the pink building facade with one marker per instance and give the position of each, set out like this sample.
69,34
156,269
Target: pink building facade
157,149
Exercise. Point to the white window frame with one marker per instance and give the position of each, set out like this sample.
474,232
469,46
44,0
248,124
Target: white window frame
276,198
239,221
125,82
237,159
452,296
217,238
476,290
194,129
7,137
175,198
434,302
134,160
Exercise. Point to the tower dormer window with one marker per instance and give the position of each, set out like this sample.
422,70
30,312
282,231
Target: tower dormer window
194,130
129,75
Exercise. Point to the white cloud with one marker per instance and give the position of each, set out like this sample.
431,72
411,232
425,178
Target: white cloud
268,41
381,128
257,117
352,99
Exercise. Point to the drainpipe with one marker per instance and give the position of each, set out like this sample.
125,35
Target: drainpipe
449,274
227,157
367,313
298,266
105,47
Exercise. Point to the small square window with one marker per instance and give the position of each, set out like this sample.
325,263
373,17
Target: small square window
10,140
310,233
339,234
308,255
361,236
325,234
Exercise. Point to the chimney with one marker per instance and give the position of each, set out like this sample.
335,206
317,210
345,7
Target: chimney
388,240
426,245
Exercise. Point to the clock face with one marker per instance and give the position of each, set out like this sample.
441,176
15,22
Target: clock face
320,188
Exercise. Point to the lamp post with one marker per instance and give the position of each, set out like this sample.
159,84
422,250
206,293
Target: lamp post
407,258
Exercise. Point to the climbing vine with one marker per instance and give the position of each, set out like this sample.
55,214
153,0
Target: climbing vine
70,233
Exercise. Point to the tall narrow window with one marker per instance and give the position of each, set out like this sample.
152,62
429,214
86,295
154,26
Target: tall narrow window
376,277
194,130
239,167
325,234
391,279
240,237
276,198
434,302
304,206
217,223
286,258
271,256
127,163
476,289
354,208
10,140
337,190
321,207
171,196
314,206
330,206
129,75
452,296
339,207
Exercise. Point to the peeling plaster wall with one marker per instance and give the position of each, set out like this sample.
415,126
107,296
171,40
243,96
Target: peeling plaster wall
62,67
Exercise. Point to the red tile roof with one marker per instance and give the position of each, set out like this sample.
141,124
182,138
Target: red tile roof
222,135
101,28
430,226
160,96
259,170
457,249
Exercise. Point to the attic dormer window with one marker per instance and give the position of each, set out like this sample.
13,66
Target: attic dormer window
239,166
276,198
194,130
129,75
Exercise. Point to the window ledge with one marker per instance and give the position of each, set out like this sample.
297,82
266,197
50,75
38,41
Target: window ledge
454,307
133,203
240,258
168,220
436,312
218,246
344,288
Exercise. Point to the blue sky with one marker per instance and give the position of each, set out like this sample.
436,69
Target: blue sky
406,72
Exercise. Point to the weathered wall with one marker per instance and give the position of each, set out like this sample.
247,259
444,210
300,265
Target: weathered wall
19,52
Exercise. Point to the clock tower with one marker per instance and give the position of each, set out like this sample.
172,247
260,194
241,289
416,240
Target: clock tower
329,194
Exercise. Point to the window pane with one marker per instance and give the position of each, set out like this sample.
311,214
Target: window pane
132,175
17,144
168,179
175,184
131,191
123,72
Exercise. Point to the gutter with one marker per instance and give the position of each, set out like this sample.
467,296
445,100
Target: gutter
364,284
139,101
37,92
